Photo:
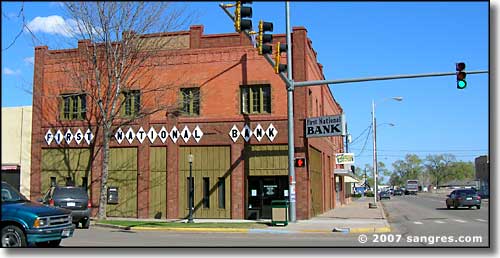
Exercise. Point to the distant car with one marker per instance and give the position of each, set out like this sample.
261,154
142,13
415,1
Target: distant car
398,192
72,198
25,223
463,198
384,195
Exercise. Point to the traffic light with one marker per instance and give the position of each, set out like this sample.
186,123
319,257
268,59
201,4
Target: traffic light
265,38
300,162
461,83
279,68
241,12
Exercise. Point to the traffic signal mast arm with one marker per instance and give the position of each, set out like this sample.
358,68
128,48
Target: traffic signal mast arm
392,77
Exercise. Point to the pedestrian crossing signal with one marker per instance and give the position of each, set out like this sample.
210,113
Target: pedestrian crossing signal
300,162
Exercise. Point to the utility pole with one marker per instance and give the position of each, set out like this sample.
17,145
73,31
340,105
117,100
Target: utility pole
291,134
374,126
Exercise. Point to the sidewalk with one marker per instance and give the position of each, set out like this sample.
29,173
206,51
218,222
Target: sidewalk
355,217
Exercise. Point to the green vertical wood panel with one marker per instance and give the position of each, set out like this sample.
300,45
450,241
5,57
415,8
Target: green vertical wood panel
315,168
62,163
268,160
212,162
123,174
158,182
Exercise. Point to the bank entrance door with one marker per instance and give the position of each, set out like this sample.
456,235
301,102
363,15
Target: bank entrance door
261,191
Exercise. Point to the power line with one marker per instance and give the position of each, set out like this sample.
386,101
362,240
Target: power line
366,140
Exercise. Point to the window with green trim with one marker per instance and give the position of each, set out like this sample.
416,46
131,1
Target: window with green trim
190,101
73,106
256,99
132,102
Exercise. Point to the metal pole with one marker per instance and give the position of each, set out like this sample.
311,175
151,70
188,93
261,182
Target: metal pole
380,78
291,144
191,201
374,126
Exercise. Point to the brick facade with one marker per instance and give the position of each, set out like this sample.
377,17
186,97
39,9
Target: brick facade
218,64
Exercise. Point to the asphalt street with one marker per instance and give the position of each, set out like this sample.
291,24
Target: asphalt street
421,220
426,215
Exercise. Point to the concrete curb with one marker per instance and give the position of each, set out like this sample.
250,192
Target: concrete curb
252,230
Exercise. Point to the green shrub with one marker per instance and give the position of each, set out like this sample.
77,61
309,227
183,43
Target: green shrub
369,194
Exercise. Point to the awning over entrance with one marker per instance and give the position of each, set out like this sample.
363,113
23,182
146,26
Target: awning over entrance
349,177
10,167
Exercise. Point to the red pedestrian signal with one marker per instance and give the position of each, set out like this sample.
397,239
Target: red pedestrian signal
300,162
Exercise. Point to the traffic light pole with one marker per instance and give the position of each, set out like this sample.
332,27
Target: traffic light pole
393,77
291,134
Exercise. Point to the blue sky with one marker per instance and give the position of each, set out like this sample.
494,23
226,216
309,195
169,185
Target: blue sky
352,40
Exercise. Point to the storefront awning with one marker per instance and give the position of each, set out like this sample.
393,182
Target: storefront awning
10,167
349,177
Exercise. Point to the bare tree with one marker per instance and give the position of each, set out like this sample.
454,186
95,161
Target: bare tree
117,57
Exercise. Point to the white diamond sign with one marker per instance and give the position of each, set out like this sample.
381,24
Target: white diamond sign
152,134
163,134
68,136
141,135
130,135
246,133
271,132
49,137
174,134
59,137
197,134
186,134
119,136
258,132
88,136
234,133
78,136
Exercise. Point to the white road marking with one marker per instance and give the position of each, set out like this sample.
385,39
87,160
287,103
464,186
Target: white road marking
482,220
418,222
459,220
439,222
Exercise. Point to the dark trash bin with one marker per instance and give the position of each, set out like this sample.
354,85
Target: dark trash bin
279,212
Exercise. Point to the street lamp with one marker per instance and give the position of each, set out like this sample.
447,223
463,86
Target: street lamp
375,169
191,203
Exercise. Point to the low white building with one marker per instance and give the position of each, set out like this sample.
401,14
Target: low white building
16,147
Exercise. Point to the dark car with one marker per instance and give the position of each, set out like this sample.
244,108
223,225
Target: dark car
398,192
463,198
25,223
72,198
384,195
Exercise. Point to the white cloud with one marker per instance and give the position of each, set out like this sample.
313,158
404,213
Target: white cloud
29,60
8,71
56,4
54,25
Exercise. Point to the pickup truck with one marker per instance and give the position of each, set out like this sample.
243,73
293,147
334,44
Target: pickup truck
25,223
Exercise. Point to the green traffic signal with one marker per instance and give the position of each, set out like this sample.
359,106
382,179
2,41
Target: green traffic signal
461,84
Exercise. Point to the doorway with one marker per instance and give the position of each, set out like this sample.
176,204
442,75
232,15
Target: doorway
261,191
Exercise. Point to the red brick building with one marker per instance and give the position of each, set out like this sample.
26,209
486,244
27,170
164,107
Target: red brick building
227,85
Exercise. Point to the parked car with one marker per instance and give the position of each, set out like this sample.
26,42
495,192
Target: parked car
384,195
72,198
398,192
26,223
463,197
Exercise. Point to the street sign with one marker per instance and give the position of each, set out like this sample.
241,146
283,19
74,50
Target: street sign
344,158
324,126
